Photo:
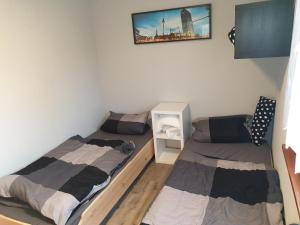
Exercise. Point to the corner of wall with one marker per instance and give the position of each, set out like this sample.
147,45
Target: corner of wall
290,207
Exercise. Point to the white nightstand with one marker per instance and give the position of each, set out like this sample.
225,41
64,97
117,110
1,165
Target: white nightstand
167,148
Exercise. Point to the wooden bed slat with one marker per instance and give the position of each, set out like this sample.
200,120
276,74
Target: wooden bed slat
8,221
105,201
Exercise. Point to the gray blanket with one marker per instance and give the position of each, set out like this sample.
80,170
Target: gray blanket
206,190
61,180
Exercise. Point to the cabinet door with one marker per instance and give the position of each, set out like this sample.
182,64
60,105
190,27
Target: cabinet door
264,29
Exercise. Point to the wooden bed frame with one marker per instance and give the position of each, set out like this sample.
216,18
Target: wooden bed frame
96,212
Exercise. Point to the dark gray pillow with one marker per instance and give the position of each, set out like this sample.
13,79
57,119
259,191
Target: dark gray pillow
120,123
223,129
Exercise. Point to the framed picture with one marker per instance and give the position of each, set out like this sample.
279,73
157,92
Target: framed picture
177,24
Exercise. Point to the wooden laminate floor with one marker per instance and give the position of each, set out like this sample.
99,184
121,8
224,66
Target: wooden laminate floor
133,208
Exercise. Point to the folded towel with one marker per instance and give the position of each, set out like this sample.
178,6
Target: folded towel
168,120
172,132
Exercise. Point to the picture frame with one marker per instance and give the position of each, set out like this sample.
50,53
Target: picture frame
175,24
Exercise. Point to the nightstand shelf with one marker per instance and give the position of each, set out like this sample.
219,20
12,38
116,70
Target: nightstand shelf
168,156
165,137
168,147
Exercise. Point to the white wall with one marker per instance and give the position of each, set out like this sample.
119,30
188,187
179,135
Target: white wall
203,73
136,77
49,85
50,88
291,212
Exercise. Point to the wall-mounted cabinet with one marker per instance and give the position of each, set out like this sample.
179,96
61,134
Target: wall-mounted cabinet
264,29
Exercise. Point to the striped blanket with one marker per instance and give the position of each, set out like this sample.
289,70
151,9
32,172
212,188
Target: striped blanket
211,191
65,177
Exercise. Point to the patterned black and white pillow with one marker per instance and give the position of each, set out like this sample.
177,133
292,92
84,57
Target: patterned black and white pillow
263,115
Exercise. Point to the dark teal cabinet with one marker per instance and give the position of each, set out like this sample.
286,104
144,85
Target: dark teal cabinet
264,29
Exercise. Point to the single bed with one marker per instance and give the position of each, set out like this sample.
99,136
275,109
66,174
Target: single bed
219,184
95,210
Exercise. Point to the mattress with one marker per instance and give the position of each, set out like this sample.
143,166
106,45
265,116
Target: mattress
243,152
228,184
22,212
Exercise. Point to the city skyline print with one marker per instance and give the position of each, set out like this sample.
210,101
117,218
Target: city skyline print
178,24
